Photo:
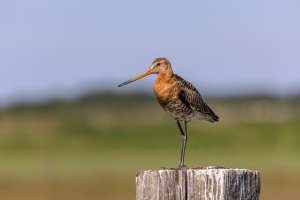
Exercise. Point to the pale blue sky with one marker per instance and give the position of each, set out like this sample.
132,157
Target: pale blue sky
61,47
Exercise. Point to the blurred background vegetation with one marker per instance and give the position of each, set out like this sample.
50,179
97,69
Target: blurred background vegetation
92,147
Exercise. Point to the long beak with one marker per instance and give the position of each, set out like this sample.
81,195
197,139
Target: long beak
137,77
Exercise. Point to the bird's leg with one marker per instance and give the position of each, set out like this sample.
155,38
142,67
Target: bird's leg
183,145
185,141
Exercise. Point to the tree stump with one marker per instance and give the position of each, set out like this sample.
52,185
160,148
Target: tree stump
198,184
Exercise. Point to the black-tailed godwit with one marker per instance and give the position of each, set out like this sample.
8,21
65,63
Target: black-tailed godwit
178,98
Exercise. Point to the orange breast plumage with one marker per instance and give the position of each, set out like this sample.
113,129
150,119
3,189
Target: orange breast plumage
167,91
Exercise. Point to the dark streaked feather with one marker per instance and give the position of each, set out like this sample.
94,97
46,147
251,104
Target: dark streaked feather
191,98
211,116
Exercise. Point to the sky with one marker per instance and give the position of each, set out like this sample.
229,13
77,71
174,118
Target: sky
61,48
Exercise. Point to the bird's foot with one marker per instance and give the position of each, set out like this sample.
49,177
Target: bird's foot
182,167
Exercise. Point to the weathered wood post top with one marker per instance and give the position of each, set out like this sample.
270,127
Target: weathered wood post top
211,183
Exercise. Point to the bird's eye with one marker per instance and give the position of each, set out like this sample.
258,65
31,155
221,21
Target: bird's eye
158,64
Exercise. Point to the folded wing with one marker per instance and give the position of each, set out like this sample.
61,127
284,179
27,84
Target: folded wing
189,96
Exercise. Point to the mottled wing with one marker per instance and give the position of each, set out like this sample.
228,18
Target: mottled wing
191,98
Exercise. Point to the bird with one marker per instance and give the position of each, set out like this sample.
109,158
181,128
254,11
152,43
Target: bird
178,97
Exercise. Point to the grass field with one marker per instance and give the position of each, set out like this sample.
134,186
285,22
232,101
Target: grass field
91,148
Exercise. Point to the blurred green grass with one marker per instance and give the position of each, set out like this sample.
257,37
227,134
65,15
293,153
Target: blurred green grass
92,147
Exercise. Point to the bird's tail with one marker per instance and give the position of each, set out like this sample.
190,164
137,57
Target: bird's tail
207,114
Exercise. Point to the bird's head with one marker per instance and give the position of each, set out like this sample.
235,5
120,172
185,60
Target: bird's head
159,66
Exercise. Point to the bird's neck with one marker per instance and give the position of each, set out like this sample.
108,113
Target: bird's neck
164,77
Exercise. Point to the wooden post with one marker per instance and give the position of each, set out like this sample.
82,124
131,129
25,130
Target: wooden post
210,183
